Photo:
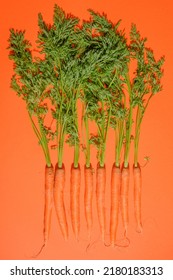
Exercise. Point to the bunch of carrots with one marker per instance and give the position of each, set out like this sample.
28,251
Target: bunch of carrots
90,64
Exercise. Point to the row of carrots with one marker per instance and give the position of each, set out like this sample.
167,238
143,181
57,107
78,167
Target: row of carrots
55,187
113,80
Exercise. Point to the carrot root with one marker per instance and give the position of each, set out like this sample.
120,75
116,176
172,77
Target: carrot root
88,198
49,180
115,199
75,199
137,197
58,193
125,175
100,198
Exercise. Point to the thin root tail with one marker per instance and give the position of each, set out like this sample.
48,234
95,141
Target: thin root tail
39,252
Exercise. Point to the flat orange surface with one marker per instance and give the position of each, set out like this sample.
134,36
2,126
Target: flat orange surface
22,162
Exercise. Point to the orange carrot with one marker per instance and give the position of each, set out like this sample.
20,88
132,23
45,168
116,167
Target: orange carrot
75,199
115,198
125,175
49,180
100,198
58,193
137,196
88,197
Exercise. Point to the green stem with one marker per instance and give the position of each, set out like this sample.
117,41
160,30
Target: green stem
128,138
87,142
128,124
102,155
119,142
57,131
59,126
45,144
100,137
38,135
115,75
104,139
137,134
102,128
151,95
61,148
103,119
41,139
108,124
77,144
35,128
62,123
76,154
139,117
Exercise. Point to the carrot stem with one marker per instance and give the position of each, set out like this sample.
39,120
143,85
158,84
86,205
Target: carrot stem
137,135
76,154
139,118
42,140
87,142
119,134
128,124
102,155
128,139
103,131
60,148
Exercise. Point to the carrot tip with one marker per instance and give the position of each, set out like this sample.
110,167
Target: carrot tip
124,243
108,245
139,229
39,252
125,233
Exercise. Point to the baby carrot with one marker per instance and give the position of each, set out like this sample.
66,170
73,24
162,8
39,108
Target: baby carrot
137,196
58,193
49,180
88,197
115,199
75,199
124,197
100,198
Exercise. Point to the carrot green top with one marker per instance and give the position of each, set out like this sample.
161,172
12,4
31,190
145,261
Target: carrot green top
58,44
91,62
29,83
146,81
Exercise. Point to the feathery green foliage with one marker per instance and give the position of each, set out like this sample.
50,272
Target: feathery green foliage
29,83
58,44
89,62
104,55
146,82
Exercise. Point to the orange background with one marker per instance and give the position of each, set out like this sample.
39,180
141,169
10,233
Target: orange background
22,162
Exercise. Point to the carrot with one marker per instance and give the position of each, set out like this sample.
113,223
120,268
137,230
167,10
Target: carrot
115,199
125,175
88,197
100,198
137,196
75,199
49,179
58,194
